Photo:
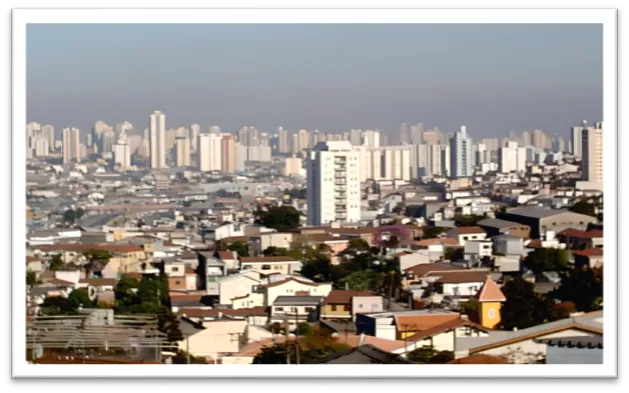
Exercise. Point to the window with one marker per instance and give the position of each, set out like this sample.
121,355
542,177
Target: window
346,307
360,306
175,269
177,282
491,313
279,308
334,307
309,309
266,267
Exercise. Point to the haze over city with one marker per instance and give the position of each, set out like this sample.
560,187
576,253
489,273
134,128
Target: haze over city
492,78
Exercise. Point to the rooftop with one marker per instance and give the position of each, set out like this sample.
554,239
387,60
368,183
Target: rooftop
535,211
498,223
297,300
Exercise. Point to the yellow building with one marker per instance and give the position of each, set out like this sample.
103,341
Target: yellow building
490,299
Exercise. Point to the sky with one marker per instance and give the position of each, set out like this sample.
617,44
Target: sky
493,78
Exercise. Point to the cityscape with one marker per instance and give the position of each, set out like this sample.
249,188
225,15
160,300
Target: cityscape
174,242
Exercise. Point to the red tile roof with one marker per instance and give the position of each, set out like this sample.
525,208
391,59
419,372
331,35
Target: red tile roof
96,282
490,292
337,296
431,242
32,259
445,327
459,277
267,259
575,233
416,323
227,255
469,230
82,247
479,359
61,283
590,252
425,268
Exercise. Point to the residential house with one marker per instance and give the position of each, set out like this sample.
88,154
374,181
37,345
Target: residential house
344,304
463,234
34,264
591,257
233,286
179,301
97,287
213,338
443,337
478,249
230,258
413,275
541,220
407,259
573,350
255,316
436,247
293,310
260,242
526,346
579,240
452,285
268,265
247,301
364,354
496,226
401,324
290,287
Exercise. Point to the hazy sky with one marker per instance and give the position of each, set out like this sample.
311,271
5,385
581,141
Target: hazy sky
492,78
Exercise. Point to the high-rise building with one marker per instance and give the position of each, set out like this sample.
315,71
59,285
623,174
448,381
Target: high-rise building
371,139
508,157
461,154
481,156
293,166
228,153
540,140
215,130
122,152
430,137
303,137
592,153
210,152
418,160
434,166
71,148
32,129
49,132
98,132
283,142
41,146
157,139
396,162
576,139
417,130
525,139
333,183
294,146
405,135
195,130
182,151
446,160
356,137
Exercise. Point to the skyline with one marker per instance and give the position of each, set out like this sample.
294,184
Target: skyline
356,76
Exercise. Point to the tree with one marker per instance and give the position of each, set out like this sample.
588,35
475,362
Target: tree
547,260
584,207
273,251
303,328
69,216
362,280
96,259
441,357
432,232
581,286
430,356
55,263
80,298
281,218
468,220
454,254
470,308
524,307
125,293
31,278
186,204
80,212
241,248
315,344
317,268
57,305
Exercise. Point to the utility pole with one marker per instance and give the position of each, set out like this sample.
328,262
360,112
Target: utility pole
286,335
297,335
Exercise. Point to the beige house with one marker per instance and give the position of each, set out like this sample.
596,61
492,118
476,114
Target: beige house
233,286
269,265
213,338
291,287
259,243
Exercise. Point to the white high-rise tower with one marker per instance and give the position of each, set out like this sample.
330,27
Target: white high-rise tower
461,154
157,142
333,183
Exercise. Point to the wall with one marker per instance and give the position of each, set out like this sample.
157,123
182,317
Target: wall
235,288
488,320
218,337
253,300
416,258
367,304
336,311
289,288
465,288
558,355
528,351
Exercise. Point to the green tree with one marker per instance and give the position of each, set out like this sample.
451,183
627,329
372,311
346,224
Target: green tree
125,294
241,248
57,305
363,280
524,307
80,298
69,216
421,355
584,207
281,218
468,220
303,328
441,357
273,251
547,260
581,286
432,232
96,259
80,212
317,268
56,263
315,344
470,308
31,278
